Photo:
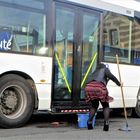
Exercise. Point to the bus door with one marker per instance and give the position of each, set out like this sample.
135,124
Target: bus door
75,53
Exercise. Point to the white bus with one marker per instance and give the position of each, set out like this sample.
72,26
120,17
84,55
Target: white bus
48,48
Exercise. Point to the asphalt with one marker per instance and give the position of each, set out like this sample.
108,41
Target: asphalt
65,127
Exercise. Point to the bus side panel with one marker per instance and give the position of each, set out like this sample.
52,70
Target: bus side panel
44,96
130,77
130,96
37,67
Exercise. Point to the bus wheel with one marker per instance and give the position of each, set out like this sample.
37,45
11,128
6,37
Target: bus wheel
136,111
16,101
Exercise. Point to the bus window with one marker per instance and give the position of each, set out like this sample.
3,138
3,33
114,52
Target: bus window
27,31
39,4
117,32
63,53
136,42
91,29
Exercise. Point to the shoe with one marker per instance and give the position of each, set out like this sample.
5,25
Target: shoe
106,126
89,125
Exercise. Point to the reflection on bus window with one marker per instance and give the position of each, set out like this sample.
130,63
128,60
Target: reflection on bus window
20,32
136,42
91,30
114,37
121,36
117,37
30,3
64,52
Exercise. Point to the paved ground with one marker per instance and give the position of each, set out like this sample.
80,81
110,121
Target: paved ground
40,129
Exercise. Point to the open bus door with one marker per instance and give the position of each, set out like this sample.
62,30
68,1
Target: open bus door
75,55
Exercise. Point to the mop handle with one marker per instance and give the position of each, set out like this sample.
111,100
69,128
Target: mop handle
125,113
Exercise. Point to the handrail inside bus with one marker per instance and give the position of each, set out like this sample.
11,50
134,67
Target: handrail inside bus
63,73
89,68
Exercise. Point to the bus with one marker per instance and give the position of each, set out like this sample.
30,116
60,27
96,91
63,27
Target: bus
49,48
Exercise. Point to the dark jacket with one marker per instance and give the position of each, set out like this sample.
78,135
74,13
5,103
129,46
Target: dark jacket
103,74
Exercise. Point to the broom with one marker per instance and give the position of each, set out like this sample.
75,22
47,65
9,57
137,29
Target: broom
125,128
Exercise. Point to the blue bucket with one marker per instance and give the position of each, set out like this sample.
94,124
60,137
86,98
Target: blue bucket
82,120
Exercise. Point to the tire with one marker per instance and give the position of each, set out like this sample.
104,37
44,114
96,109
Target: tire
136,111
16,101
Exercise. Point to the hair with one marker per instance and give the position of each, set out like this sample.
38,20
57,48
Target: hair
101,65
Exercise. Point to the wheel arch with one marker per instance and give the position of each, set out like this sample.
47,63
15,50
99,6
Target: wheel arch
138,95
29,80
136,110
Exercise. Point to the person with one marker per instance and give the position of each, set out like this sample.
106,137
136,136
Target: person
96,91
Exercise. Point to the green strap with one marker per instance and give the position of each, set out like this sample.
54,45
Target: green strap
89,68
62,71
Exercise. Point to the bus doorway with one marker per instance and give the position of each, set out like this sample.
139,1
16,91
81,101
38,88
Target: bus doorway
75,55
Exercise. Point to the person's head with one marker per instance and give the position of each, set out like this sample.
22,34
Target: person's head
101,65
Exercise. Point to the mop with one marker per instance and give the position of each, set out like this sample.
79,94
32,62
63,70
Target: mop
126,127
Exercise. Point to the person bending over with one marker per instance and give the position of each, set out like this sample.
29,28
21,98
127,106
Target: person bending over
96,91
